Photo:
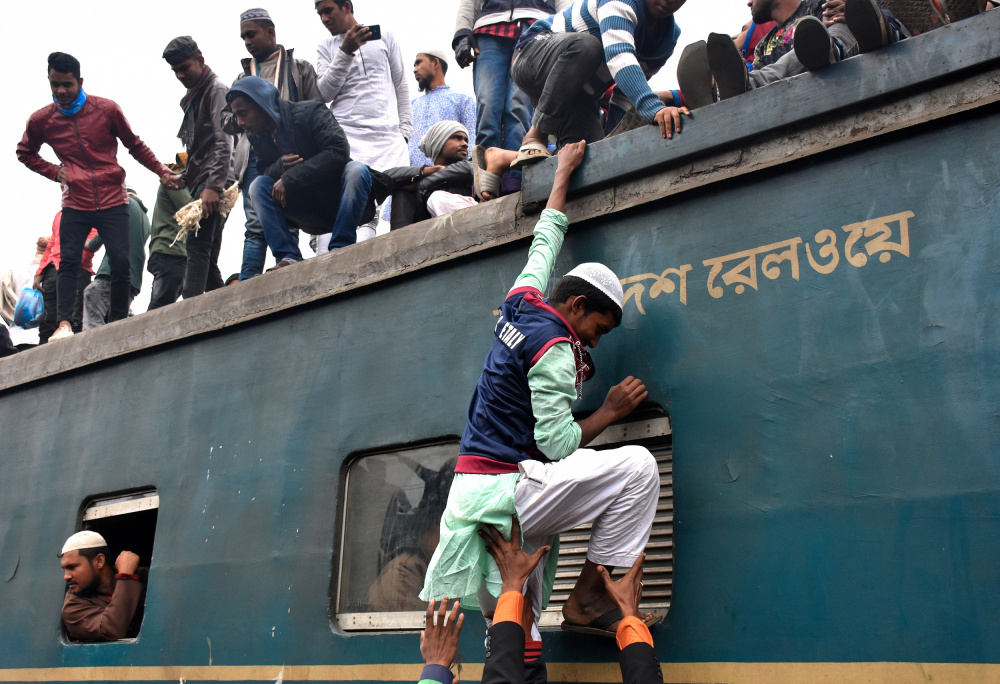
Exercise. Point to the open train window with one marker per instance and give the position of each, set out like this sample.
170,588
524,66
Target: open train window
127,521
393,502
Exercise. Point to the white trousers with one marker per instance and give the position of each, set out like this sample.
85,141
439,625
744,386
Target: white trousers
615,489
440,202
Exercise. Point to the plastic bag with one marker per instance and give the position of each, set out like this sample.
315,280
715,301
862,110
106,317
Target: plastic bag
29,309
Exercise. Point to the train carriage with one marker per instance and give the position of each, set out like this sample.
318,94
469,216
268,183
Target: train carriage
811,298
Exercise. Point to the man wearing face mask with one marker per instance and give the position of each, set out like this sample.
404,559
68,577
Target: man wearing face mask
84,131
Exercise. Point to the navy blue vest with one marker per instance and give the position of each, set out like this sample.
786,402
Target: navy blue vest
500,431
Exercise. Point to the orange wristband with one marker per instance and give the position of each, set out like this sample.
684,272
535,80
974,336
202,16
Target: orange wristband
632,630
509,607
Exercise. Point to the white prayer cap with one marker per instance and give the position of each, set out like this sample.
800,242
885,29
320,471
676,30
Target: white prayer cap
441,55
83,540
603,278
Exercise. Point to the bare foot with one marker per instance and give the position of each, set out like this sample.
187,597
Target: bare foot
497,162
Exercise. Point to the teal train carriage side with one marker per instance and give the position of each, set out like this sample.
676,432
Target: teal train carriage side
811,274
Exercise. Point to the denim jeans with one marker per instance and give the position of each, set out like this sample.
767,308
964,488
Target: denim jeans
340,210
254,244
503,111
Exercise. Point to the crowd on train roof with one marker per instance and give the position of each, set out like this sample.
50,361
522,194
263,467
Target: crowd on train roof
332,148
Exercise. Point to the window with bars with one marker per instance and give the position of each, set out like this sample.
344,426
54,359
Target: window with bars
397,497
657,571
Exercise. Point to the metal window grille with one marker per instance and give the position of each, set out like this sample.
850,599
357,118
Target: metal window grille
658,569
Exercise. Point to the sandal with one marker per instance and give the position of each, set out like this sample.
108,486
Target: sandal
727,65
529,153
695,77
483,180
601,625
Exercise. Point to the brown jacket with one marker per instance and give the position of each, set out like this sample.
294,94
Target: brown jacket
105,618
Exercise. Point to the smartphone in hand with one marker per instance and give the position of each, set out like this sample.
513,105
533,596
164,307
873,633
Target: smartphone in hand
376,31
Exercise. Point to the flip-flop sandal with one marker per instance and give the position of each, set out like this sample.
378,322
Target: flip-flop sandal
695,77
814,44
529,154
727,65
483,180
601,625
864,19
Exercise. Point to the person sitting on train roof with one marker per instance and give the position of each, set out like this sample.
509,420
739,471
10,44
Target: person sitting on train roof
103,602
564,64
808,35
425,191
521,449
306,173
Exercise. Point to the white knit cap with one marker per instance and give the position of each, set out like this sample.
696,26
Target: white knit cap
603,278
83,540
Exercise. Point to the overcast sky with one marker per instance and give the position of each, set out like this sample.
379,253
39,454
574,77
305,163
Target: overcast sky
119,45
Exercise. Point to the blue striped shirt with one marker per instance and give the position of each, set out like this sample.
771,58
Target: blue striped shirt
616,23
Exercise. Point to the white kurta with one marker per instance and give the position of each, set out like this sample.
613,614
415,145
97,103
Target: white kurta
369,97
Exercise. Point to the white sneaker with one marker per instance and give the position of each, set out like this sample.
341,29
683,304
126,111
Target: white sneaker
61,332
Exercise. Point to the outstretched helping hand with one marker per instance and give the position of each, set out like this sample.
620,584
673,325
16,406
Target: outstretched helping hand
439,642
626,592
514,564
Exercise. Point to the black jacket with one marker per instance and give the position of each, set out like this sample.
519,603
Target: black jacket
314,135
455,178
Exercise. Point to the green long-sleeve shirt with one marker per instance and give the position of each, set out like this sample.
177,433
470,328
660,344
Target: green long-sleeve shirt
460,563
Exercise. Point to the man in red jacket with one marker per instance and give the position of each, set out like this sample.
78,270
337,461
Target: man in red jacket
84,132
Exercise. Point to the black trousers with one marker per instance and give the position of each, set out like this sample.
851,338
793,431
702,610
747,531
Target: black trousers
560,73
168,278
203,273
50,321
112,226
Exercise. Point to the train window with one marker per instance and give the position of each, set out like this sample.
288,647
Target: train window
650,428
393,503
127,521
398,497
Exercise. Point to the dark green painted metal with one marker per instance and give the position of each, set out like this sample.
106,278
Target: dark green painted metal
835,436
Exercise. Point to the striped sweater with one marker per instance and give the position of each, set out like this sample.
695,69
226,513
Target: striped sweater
616,23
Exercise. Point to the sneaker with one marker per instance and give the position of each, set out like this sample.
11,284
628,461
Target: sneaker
281,264
864,18
727,65
813,44
63,331
694,76
918,16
